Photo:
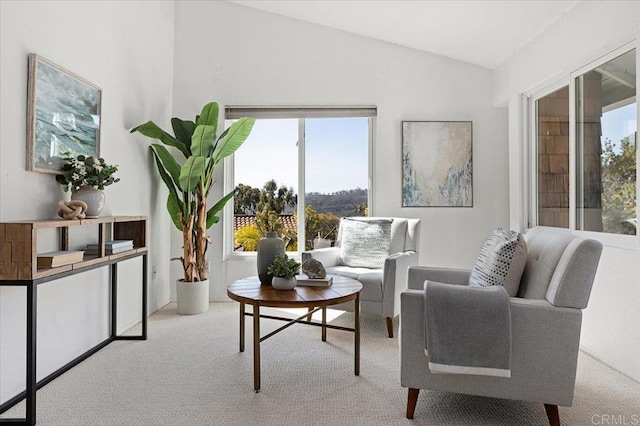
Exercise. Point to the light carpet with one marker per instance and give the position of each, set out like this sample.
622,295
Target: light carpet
189,371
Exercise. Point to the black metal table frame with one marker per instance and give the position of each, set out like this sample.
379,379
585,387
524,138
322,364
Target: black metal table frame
257,339
32,316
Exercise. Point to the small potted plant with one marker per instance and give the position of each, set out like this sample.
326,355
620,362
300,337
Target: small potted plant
86,177
284,271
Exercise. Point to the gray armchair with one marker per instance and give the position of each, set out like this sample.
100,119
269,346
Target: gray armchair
381,287
546,317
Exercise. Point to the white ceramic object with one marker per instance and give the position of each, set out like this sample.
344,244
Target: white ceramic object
94,198
192,298
280,283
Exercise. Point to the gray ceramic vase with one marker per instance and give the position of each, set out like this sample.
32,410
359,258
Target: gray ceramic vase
268,248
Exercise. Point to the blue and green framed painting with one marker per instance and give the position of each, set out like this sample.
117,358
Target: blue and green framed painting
63,116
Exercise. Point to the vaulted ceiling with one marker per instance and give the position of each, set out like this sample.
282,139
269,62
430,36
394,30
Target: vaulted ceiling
485,33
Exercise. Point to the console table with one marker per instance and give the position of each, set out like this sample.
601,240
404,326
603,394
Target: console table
18,267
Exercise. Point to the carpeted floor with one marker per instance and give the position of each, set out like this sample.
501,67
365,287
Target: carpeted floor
189,371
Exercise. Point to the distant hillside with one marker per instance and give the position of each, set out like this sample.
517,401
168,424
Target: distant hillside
341,203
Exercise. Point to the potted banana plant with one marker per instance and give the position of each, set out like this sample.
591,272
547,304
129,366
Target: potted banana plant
189,181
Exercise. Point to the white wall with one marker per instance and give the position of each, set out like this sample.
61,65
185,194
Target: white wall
126,48
611,327
238,56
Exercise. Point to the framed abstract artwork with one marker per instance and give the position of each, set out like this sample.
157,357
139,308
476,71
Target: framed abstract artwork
63,116
437,164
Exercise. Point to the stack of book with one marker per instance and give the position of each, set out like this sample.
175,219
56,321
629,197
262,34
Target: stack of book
111,247
314,282
59,258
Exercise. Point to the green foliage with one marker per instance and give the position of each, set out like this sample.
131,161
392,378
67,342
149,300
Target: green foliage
267,221
84,171
284,267
267,203
290,237
249,200
247,237
189,181
277,198
270,201
340,203
361,209
323,224
619,186
245,199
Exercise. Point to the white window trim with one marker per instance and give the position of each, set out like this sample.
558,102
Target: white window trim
229,185
302,140
631,242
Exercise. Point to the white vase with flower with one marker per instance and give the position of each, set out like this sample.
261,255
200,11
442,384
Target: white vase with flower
86,177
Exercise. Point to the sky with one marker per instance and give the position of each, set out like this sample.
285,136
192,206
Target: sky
336,154
619,123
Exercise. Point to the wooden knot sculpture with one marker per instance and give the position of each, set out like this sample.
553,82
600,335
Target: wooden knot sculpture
74,209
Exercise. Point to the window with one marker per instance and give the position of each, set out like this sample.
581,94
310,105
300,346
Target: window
298,173
584,158
606,146
552,139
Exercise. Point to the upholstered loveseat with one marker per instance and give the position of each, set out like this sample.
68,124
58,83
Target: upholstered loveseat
381,286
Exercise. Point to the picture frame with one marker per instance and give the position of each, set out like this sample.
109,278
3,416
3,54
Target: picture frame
437,164
63,116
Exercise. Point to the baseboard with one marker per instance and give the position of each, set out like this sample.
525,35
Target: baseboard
133,323
599,358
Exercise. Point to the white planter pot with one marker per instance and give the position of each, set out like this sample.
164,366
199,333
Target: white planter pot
93,197
192,298
280,283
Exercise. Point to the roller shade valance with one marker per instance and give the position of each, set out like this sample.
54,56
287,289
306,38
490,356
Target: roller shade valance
234,112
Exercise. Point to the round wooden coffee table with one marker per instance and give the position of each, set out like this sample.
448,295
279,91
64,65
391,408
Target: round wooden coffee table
250,291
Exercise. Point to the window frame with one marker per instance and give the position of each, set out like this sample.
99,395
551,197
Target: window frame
532,150
281,112
531,155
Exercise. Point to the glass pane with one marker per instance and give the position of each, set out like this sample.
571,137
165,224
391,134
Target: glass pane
606,129
336,175
266,178
552,134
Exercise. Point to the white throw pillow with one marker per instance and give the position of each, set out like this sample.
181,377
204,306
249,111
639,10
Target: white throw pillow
365,243
501,261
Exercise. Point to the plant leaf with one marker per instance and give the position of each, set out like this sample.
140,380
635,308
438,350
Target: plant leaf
190,174
211,214
164,175
151,130
169,163
174,206
202,140
209,116
183,130
211,220
232,138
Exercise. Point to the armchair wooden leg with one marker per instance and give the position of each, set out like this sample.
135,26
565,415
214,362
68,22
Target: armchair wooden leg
552,414
390,327
412,399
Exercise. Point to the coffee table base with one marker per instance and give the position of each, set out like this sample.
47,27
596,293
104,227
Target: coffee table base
257,339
